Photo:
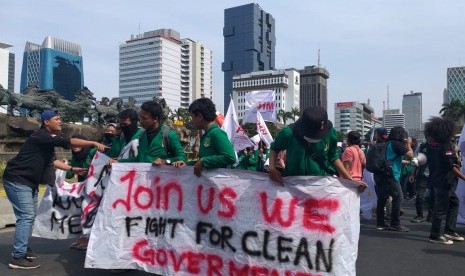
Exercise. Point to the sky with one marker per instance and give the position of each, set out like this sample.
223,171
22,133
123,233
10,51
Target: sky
367,46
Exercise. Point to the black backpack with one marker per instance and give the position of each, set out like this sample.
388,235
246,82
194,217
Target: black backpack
377,161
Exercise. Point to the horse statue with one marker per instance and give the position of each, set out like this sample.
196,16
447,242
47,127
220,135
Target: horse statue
131,103
80,107
107,111
9,99
37,100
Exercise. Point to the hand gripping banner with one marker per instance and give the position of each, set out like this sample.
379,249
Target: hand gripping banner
167,221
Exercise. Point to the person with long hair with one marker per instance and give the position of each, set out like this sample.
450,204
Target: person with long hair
398,145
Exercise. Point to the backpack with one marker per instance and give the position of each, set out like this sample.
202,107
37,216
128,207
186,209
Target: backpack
376,161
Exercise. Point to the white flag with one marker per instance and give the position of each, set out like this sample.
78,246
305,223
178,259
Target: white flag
263,131
263,101
236,134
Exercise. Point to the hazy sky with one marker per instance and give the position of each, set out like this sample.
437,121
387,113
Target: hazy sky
365,45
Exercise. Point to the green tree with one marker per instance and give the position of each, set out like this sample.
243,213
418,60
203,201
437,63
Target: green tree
295,112
340,136
283,116
455,110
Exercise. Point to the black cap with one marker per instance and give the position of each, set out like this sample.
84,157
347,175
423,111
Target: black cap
313,123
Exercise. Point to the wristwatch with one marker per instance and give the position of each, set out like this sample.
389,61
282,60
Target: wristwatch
168,162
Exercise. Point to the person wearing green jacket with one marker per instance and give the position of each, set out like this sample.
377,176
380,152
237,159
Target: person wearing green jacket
216,151
153,146
81,158
128,120
311,146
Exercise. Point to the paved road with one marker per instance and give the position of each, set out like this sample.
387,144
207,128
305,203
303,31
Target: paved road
381,253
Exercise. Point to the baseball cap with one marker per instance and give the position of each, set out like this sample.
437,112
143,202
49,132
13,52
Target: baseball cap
49,114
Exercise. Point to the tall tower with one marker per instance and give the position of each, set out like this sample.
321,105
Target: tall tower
56,64
159,63
313,87
455,84
412,108
249,43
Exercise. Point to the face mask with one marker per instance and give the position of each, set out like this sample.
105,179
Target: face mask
312,141
109,135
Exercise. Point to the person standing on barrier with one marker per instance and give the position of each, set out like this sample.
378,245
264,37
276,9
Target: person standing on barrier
25,172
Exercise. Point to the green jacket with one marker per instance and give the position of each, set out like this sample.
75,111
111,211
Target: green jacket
298,162
82,164
247,161
119,143
215,149
148,153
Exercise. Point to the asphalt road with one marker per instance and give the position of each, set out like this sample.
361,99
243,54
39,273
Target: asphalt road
381,253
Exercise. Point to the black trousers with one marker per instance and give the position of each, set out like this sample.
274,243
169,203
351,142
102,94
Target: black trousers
446,207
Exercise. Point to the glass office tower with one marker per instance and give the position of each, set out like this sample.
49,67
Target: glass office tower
249,43
56,64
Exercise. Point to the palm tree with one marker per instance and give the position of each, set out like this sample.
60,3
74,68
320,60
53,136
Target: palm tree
455,110
295,112
283,115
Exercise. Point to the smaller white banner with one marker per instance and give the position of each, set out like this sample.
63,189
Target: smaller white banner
263,101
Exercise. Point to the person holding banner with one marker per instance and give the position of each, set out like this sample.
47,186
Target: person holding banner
311,146
25,172
128,120
154,147
216,151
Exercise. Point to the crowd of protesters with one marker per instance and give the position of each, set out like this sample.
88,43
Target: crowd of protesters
307,147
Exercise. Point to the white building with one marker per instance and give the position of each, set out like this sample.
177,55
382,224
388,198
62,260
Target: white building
161,64
393,118
285,83
196,72
354,116
7,67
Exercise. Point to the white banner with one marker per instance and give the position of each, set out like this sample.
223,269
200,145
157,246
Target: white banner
59,212
130,150
236,134
263,131
167,221
263,101
94,189
69,209
368,198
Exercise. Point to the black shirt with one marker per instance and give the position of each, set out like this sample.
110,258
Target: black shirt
441,160
36,153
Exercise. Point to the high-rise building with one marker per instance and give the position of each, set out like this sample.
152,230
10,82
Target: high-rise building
412,108
393,118
249,43
455,84
354,116
11,72
313,87
285,84
7,67
160,64
196,72
56,64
